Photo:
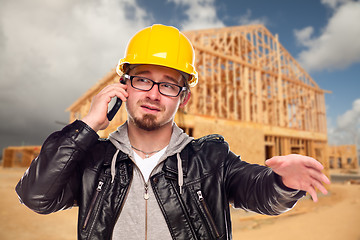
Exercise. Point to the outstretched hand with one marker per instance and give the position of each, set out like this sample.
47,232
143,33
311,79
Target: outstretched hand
300,172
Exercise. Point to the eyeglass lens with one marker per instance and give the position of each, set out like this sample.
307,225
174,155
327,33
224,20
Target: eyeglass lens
145,84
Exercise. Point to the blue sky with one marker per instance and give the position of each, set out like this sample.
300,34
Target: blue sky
53,51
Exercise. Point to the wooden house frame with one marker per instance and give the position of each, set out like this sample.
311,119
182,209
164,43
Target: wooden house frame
250,90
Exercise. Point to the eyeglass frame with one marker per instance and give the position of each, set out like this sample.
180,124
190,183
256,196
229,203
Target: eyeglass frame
181,88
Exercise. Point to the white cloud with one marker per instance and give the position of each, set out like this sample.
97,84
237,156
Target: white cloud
201,14
52,52
248,20
337,47
351,118
303,36
347,128
334,3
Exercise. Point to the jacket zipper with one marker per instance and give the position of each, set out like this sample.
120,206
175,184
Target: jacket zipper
146,193
207,212
146,197
92,204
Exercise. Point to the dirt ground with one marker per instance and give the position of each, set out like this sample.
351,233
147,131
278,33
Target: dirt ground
335,216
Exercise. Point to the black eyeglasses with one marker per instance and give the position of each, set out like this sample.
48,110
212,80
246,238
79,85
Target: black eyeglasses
146,84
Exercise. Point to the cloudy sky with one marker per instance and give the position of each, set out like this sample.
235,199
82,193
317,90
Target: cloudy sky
51,52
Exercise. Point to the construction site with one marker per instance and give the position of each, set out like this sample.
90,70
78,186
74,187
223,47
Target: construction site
255,94
251,91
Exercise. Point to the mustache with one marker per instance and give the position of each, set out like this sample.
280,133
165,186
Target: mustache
151,103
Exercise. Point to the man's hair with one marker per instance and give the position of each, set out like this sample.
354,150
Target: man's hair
183,94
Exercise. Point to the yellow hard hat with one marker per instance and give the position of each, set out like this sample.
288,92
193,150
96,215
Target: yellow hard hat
161,45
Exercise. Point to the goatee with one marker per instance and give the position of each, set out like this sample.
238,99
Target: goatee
147,122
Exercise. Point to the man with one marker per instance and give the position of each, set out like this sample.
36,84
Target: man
149,180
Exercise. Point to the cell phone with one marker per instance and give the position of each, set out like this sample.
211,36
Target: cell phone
117,105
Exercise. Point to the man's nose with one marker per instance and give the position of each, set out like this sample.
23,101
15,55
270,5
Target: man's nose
154,93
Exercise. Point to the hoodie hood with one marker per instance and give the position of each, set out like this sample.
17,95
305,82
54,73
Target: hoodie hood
178,141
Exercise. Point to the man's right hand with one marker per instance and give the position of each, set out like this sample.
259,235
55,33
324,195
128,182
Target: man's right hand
97,116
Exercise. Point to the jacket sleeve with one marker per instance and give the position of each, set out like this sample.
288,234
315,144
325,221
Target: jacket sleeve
257,188
52,181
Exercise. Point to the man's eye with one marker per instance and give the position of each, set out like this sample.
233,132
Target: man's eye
168,86
142,80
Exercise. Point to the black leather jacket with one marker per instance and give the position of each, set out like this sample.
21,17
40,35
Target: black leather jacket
73,168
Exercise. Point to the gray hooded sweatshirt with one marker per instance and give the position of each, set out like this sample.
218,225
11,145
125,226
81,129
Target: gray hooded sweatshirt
140,216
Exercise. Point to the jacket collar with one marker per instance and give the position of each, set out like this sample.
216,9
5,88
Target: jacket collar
171,167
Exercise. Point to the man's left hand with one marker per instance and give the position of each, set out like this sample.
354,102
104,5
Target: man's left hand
300,172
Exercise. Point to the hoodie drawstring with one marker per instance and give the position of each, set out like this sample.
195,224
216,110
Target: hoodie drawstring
180,173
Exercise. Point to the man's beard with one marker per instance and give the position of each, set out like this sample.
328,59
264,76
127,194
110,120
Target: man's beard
147,122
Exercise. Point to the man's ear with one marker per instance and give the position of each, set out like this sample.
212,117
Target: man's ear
185,99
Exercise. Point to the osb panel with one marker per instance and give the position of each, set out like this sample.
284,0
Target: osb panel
14,156
246,142
346,155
